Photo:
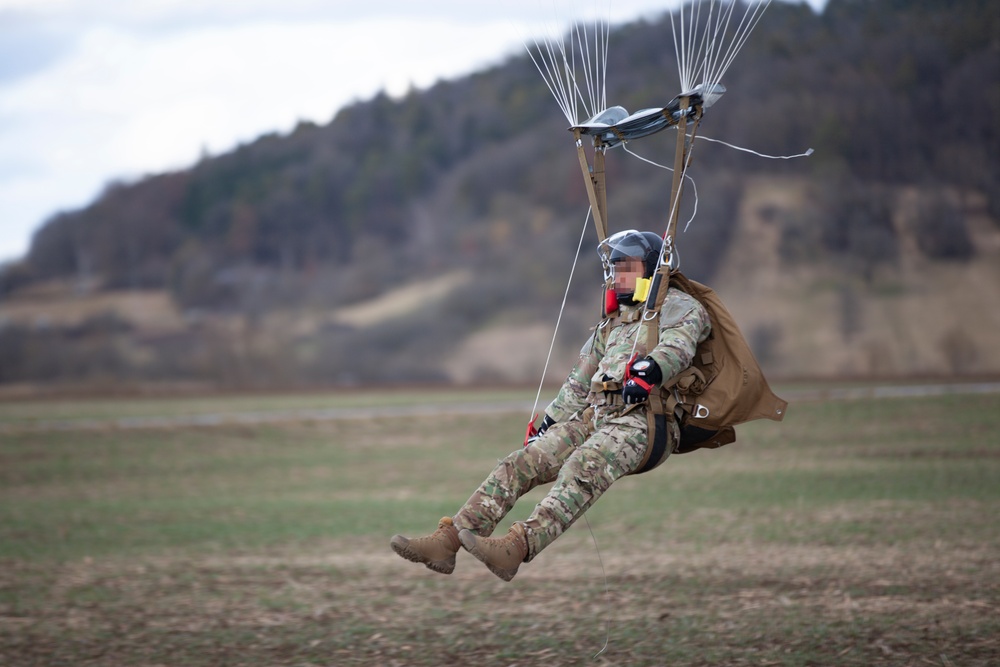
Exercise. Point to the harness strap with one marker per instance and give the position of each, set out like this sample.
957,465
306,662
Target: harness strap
659,414
656,449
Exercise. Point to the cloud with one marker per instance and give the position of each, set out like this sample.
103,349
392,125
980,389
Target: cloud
122,104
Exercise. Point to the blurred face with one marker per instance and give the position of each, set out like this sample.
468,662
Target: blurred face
627,271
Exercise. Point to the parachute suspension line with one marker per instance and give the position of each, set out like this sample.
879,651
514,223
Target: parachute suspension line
685,45
594,64
703,56
605,39
559,85
594,61
747,25
574,66
552,344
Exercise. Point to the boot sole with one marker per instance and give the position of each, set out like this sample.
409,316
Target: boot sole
468,540
401,546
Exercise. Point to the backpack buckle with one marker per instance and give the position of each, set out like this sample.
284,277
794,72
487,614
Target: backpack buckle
700,411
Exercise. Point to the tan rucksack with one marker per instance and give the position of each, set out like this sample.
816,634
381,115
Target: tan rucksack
723,387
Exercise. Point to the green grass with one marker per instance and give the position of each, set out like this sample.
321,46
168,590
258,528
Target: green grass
853,533
20,412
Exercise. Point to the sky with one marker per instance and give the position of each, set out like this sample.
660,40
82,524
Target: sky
100,91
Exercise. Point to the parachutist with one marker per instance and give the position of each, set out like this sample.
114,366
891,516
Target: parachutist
595,431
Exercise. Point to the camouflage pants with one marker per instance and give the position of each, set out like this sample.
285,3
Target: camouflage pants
582,457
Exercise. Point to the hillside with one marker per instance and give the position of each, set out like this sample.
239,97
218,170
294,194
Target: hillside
428,238
913,316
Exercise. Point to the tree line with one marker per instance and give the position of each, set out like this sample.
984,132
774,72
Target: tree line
478,172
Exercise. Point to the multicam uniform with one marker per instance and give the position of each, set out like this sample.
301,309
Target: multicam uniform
596,440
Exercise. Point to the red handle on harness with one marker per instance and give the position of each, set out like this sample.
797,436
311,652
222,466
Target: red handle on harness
531,431
610,302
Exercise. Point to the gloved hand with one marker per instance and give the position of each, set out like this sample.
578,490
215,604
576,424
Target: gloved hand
644,374
633,392
542,428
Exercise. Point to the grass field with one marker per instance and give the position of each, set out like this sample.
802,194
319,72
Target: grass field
854,533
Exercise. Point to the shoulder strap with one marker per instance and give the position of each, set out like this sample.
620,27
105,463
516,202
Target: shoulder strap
651,312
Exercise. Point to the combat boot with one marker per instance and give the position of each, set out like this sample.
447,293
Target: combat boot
502,555
436,551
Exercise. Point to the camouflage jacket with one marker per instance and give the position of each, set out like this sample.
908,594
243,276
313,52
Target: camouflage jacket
683,324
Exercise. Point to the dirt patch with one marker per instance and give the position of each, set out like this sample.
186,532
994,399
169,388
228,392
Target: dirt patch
507,354
358,604
402,301
148,309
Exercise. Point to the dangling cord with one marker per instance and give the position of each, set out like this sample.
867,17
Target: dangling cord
552,344
694,213
808,152
607,590
694,186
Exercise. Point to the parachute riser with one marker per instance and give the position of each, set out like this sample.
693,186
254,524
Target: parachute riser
594,181
685,110
682,160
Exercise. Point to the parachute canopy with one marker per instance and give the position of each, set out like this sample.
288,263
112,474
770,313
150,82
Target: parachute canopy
708,34
615,125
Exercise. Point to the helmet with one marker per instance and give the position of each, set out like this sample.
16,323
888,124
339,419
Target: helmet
647,246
